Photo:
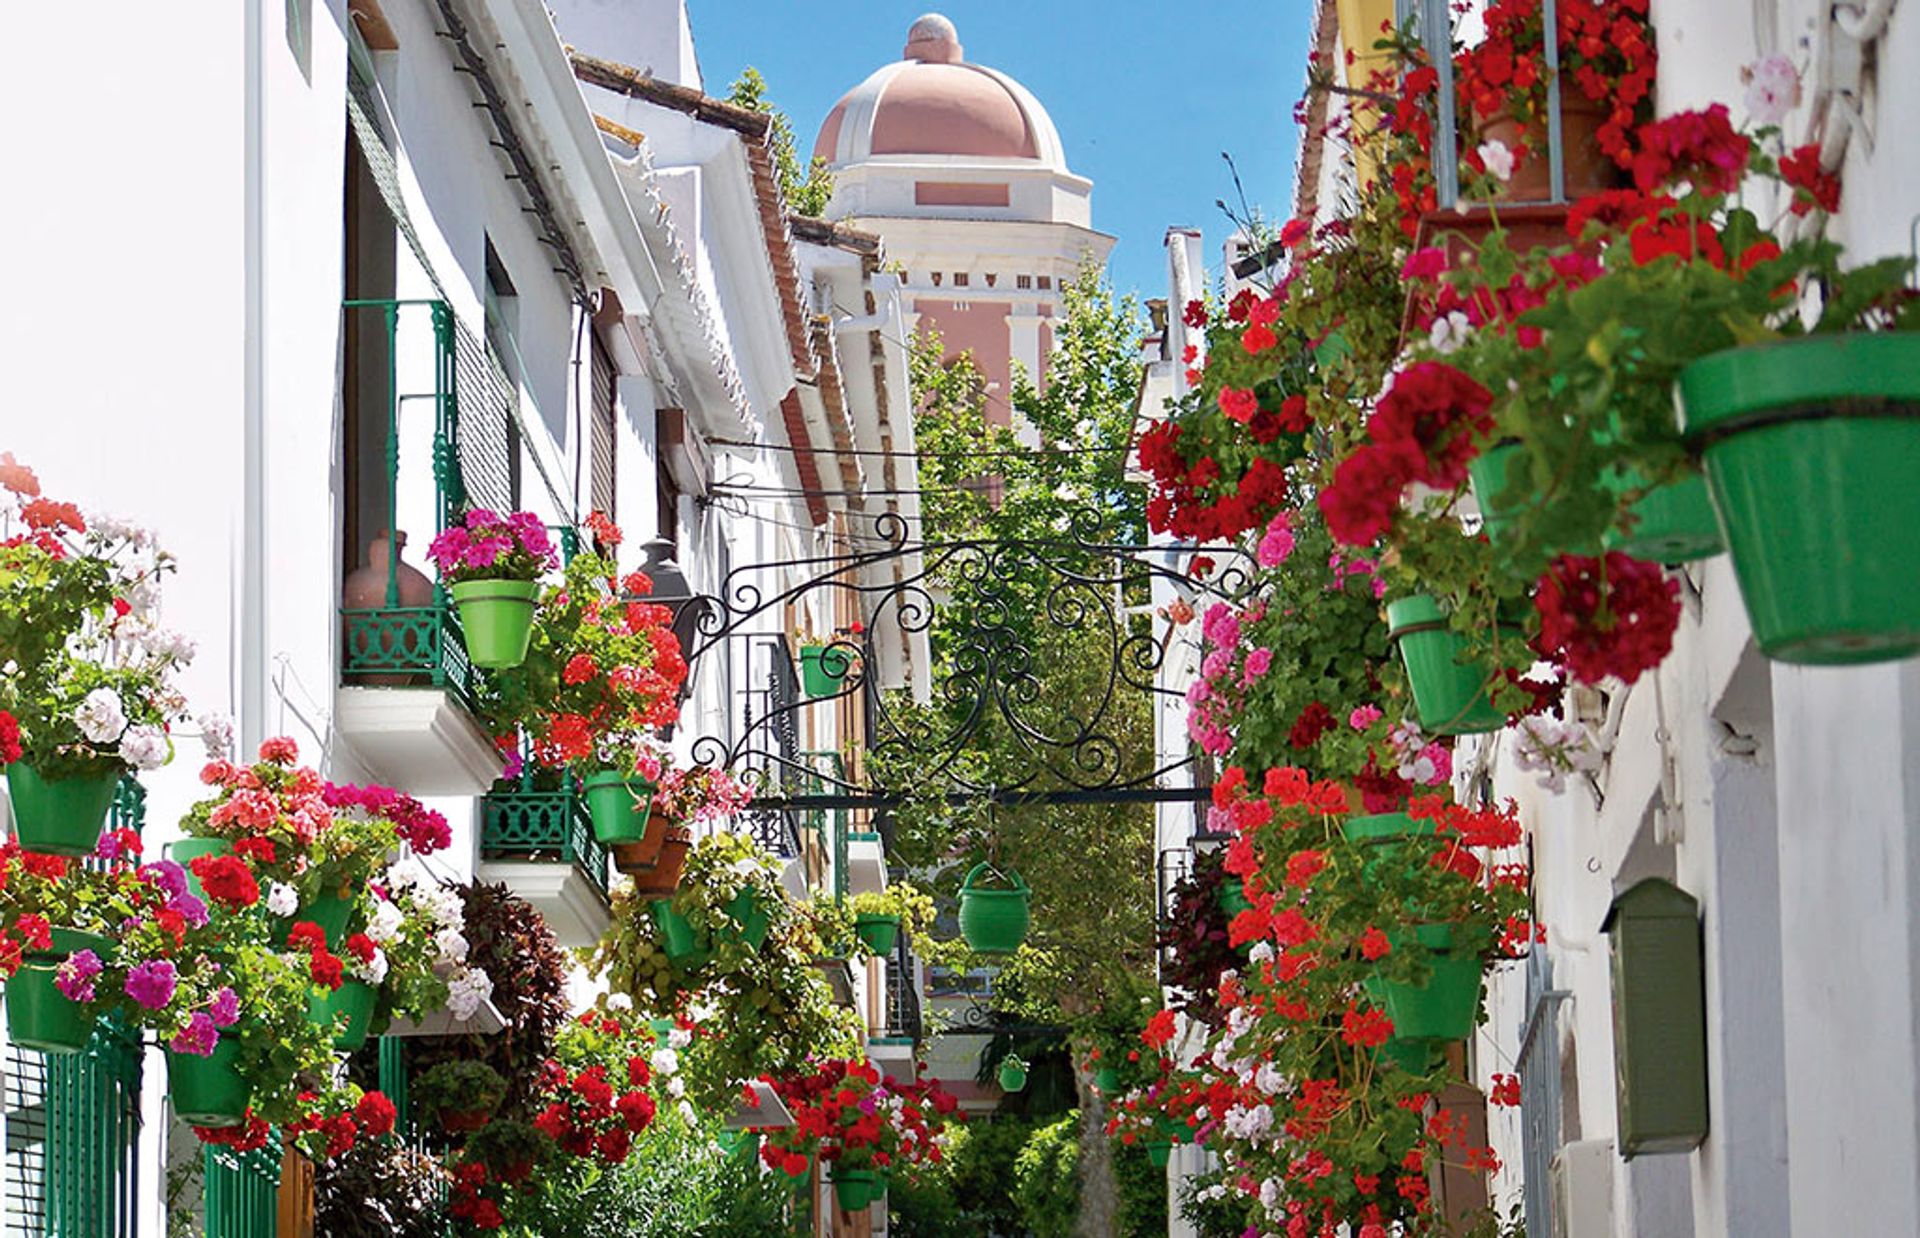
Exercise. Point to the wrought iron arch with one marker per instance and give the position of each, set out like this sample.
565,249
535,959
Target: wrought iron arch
988,592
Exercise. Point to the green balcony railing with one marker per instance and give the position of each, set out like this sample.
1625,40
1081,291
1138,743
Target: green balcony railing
522,823
242,1191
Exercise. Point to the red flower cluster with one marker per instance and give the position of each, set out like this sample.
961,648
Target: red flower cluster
1814,186
1606,616
848,1113
323,966
587,1116
227,881
1700,146
9,738
1425,429
1606,56
1192,500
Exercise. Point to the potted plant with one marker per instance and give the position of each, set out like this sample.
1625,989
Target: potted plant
684,797
728,904
993,920
825,662
862,1124
880,916
491,565
1012,1073
58,921
508,1149
88,677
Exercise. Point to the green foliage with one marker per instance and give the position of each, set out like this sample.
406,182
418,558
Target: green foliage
460,1086
1143,1192
808,188
1046,1174
913,905
982,1156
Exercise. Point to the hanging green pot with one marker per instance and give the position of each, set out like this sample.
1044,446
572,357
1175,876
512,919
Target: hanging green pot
332,912
618,805
1503,487
1810,448
1674,523
1452,698
1447,1004
752,918
1233,897
347,1009
993,921
823,669
209,1091
683,944
1159,1152
855,1189
1416,1057
61,816
496,618
1107,1080
184,851
1012,1074
39,1015
878,933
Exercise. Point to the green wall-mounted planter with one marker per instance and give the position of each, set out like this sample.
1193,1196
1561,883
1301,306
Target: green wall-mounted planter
209,1091
1450,696
347,1009
1447,1005
855,1189
1811,447
1659,1018
1233,897
332,912
823,669
496,619
878,933
39,1015
1107,1080
994,921
686,945
184,851
618,805
61,816
1674,523
1159,1152
1012,1075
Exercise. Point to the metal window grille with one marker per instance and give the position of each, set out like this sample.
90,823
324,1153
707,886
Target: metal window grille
774,693
1539,1067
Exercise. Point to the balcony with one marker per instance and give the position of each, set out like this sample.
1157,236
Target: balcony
898,1040
406,687
540,845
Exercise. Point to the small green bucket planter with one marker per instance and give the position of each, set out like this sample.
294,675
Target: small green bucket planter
686,945
61,816
878,933
1451,696
348,1010
39,1015
1674,523
1012,1074
209,1091
824,669
185,851
496,618
994,921
855,1189
1233,897
1447,1005
332,912
618,805
1159,1152
1811,447
1107,1080
1504,490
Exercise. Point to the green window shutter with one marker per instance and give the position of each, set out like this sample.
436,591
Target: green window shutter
1659,1018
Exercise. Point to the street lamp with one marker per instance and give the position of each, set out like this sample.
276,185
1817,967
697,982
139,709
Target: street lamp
671,590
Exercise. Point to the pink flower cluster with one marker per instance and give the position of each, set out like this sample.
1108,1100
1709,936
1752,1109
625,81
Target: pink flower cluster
488,545
424,830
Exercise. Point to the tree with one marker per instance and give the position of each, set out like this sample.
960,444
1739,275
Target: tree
807,187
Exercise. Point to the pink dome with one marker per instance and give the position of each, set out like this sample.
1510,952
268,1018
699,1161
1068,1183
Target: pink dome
932,102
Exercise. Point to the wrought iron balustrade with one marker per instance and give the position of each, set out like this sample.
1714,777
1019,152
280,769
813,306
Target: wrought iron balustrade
523,823
772,753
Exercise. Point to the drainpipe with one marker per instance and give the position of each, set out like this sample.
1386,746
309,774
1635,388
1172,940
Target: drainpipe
251,625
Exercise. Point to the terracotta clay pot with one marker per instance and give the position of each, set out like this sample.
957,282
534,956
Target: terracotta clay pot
1586,168
664,877
365,588
464,1119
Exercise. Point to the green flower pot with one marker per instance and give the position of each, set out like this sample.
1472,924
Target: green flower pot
1811,447
1503,487
62,816
39,1015
209,1091
1013,1076
1447,1005
1107,1079
1674,523
184,851
1451,697
823,669
1159,1152
684,945
1233,897
1416,1057
347,1009
993,921
332,912
753,918
1383,827
855,1189
496,618
618,806
878,933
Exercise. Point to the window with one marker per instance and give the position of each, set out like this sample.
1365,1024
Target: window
1023,281
600,429
936,279
961,279
1046,281
502,315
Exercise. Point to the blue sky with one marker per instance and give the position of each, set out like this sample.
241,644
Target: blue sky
1146,95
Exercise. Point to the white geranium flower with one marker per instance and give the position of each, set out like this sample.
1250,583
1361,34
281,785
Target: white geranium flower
162,643
1448,333
101,717
679,1037
1773,89
444,904
384,925
468,989
676,1087
1269,1080
282,899
619,1001
405,874
1262,952
452,945
216,732
1498,157
145,747
665,1061
373,971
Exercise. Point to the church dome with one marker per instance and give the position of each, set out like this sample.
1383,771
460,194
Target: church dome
932,102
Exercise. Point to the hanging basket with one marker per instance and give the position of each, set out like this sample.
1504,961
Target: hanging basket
1674,523
663,878
1810,448
878,933
751,919
1107,1080
1451,697
993,921
618,806
184,851
1013,1075
1159,1152
209,1091
683,944
855,1189
1416,1057
61,816
824,668
1447,1005
347,1009
496,618
39,1015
